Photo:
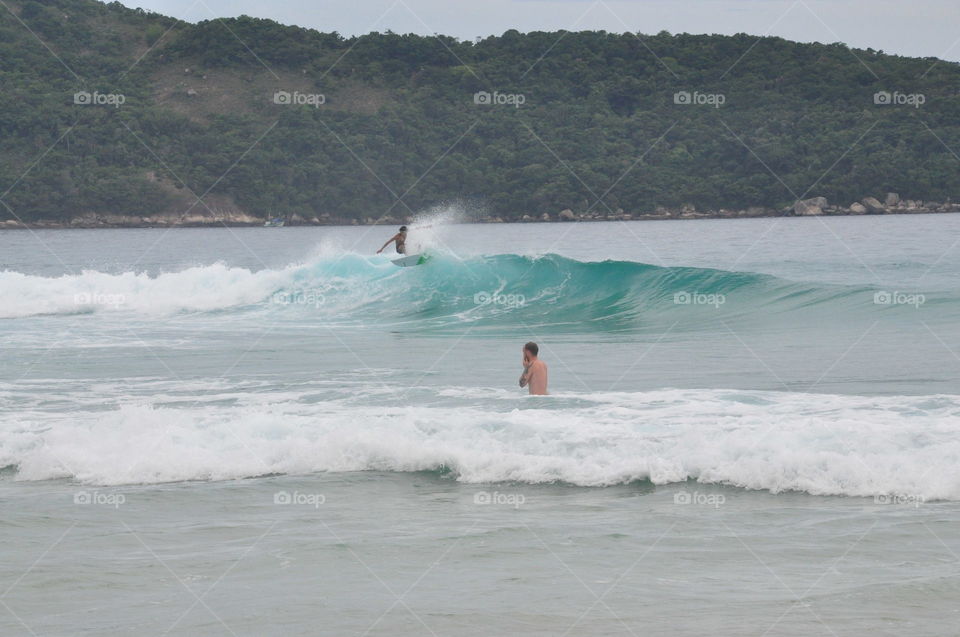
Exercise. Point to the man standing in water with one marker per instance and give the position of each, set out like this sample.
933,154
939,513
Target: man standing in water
534,373
400,238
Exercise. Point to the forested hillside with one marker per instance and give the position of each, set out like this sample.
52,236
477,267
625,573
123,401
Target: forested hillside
108,110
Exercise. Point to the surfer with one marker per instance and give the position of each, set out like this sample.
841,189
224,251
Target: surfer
534,373
400,238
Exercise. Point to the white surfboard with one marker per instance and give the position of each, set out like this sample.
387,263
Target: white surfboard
411,260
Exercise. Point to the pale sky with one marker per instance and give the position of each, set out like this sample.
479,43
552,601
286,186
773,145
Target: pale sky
922,28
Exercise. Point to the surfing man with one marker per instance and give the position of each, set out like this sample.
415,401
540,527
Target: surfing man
534,373
400,238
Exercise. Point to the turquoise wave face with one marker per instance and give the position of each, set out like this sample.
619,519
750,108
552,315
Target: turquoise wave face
548,293
560,294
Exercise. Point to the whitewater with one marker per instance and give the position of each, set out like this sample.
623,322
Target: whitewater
752,425
353,410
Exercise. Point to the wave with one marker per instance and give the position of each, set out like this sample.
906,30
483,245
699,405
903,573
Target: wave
775,441
550,291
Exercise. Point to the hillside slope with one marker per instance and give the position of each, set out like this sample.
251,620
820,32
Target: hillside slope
263,119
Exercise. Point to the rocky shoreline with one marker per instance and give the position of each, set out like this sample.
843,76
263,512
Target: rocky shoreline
813,207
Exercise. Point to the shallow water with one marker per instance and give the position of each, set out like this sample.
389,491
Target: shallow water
754,427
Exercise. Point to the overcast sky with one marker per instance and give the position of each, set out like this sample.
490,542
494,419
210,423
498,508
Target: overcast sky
907,27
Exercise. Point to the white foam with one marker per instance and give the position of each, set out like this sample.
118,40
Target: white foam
819,444
202,288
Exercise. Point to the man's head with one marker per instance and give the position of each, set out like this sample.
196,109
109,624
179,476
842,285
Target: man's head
403,229
532,349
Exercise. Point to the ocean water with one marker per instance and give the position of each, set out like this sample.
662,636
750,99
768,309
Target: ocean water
753,428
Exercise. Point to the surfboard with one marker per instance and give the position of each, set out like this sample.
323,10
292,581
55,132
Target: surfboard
411,260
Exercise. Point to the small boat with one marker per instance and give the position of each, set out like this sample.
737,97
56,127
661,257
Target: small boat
276,222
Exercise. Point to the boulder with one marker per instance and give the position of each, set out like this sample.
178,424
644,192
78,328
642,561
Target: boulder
858,209
873,206
567,215
809,207
545,216
893,199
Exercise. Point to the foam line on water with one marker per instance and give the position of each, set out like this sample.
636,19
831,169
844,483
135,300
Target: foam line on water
820,444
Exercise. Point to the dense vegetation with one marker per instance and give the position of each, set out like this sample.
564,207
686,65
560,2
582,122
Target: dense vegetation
598,127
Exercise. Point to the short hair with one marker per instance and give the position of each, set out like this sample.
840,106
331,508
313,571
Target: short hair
532,348
403,228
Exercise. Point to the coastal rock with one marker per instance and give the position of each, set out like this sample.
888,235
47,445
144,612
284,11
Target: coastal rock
810,207
873,205
893,199
858,209
567,215
545,216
